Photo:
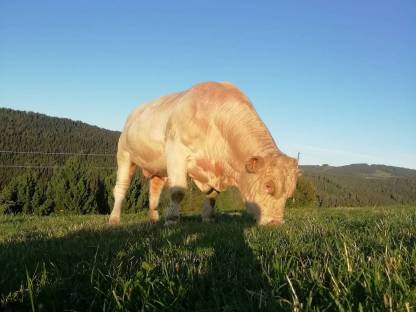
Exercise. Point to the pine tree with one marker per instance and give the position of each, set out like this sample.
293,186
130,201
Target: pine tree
305,194
38,199
109,183
17,196
73,189
137,197
25,190
8,198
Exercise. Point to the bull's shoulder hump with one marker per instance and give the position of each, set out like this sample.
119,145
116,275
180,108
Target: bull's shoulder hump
171,99
159,104
135,113
218,92
214,87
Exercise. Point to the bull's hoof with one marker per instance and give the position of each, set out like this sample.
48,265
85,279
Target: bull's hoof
153,216
275,222
208,219
270,221
114,220
171,220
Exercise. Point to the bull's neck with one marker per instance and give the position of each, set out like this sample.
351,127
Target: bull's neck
254,142
246,135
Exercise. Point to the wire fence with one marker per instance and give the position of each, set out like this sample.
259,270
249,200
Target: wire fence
46,167
56,153
53,153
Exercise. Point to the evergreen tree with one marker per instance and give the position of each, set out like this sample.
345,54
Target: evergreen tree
18,195
25,190
73,189
305,194
38,200
109,183
137,197
8,198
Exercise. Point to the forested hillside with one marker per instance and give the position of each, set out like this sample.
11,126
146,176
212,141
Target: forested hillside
49,141
362,185
51,165
25,131
362,171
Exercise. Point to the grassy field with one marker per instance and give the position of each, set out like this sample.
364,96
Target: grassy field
358,259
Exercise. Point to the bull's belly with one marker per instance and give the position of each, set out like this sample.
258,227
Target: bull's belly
144,140
156,167
151,160
147,154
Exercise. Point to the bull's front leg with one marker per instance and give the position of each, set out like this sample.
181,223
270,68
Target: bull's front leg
177,172
156,186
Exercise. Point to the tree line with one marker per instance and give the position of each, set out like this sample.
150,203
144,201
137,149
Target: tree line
77,187
80,188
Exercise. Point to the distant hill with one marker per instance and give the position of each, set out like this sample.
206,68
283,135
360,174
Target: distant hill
362,184
28,131
38,133
352,185
363,171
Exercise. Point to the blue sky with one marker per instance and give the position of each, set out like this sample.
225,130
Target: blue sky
334,80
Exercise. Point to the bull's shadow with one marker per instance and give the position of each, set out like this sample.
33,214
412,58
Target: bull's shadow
231,279
191,266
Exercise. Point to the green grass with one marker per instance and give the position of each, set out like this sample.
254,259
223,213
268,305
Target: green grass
319,260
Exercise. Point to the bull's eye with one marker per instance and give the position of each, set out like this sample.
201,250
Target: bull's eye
269,187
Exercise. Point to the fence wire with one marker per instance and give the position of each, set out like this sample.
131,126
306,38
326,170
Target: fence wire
53,153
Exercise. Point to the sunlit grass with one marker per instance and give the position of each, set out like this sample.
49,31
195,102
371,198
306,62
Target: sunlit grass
328,259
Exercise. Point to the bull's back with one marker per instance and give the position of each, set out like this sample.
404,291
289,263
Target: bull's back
144,133
188,116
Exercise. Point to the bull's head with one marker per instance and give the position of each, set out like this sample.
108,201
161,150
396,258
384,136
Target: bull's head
266,184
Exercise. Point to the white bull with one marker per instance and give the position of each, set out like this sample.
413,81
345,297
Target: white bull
211,133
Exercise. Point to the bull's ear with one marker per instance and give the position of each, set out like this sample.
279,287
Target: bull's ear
254,164
299,172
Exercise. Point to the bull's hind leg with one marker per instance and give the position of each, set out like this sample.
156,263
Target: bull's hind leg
176,167
208,210
125,171
156,187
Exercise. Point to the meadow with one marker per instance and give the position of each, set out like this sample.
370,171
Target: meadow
342,259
